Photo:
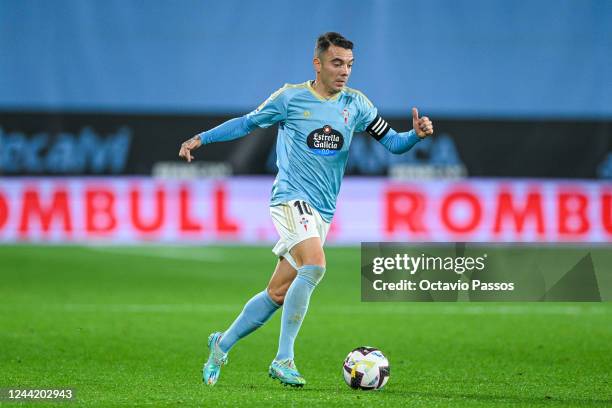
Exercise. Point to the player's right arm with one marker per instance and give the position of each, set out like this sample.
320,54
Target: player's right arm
273,110
370,121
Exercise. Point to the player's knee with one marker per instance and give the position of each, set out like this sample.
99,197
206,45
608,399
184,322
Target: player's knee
312,273
309,252
315,258
277,295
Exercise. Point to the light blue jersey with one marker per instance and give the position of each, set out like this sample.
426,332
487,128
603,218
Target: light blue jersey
314,136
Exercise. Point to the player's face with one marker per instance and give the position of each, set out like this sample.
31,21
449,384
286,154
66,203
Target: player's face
334,68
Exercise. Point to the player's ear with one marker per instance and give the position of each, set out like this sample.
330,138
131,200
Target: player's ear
316,63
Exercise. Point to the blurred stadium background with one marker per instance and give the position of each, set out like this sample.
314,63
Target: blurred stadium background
97,96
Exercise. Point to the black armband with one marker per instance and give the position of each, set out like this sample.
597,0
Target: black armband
378,128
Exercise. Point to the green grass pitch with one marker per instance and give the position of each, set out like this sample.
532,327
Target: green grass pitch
128,326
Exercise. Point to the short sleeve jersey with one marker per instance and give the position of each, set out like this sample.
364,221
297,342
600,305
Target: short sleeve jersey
314,136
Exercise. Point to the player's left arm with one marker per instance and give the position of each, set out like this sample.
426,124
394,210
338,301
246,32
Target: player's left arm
400,142
273,110
230,130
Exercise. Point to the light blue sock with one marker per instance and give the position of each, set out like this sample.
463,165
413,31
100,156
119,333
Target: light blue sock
255,313
296,306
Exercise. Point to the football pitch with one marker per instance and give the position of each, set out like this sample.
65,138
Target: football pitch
128,326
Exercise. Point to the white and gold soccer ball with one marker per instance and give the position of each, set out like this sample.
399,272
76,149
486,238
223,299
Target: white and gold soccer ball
366,368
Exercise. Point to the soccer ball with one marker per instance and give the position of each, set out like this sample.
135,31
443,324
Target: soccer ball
366,368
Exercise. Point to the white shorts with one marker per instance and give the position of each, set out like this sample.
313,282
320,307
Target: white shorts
295,222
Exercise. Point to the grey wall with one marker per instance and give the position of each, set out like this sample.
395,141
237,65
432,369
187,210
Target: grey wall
476,58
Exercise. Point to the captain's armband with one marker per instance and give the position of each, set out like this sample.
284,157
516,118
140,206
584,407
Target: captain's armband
378,128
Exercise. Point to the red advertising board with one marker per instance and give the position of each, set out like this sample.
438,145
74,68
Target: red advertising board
236,209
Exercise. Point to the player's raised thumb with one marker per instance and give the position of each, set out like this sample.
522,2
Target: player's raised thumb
415,114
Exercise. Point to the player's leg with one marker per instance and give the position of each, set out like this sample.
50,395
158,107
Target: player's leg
310,260
255,313
283,275
302,232
258,310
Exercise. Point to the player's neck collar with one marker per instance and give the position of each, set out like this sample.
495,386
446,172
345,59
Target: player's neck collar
310,87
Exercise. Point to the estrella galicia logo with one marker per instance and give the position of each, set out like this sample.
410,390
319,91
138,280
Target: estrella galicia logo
325,141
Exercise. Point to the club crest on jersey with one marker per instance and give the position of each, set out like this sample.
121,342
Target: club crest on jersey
345,115
304,223
325,141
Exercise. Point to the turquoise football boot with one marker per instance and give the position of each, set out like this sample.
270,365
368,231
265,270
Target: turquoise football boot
216,358
286,372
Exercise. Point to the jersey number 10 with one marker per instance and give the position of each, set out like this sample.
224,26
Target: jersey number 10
303,207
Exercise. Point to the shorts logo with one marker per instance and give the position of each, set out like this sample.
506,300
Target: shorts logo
325,141
304,223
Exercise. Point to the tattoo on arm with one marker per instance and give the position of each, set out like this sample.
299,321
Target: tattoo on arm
193,142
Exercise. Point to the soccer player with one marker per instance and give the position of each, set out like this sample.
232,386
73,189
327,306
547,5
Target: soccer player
316,121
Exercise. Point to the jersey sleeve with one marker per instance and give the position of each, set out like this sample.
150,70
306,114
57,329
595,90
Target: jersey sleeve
273,110
367,113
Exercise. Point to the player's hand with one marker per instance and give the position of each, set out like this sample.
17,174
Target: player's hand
188,146
422,126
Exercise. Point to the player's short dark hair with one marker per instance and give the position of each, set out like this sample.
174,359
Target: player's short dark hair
326,40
